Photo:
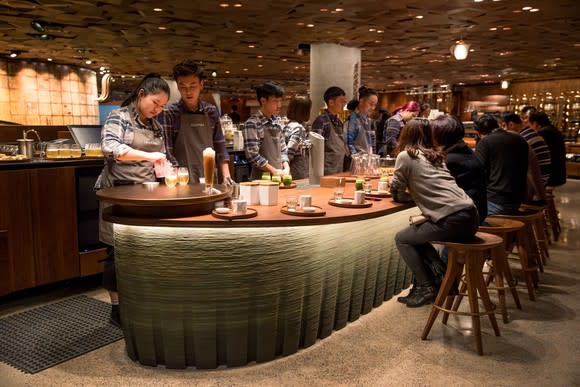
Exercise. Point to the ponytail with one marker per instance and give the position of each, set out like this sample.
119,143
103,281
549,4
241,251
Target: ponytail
152,83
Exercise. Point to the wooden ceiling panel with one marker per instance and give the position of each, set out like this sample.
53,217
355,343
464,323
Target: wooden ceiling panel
404,43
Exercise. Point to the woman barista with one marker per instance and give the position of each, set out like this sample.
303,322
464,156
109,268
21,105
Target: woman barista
132,141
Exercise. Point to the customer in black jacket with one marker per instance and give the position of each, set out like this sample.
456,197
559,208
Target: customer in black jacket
468,171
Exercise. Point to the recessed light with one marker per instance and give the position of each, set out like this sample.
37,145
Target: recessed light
102,68
339,9
251,46
123,76
49,59
419,17
493,28
259,56
245,69
227,71
162,28
158,9
300,23
323,9
477,1
134,76
526,8
260,65
284,60
506,28
372,29
88,61
380,31
239,31
310,25
13,55
224,5
534,9
471,49
238,5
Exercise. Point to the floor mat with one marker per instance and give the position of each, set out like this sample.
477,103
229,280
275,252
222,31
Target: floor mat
43,337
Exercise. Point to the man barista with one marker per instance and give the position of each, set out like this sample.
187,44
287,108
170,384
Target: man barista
191,125
264,143
329,125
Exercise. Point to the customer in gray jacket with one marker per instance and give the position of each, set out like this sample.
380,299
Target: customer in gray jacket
450,215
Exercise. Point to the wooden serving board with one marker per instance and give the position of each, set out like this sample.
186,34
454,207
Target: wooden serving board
349,204
298,212
292,185
250,213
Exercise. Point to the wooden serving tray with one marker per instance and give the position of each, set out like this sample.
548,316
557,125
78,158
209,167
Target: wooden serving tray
349,204
292,185
250,213
379,194
318,212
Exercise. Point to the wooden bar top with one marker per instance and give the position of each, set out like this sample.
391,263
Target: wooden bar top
270,216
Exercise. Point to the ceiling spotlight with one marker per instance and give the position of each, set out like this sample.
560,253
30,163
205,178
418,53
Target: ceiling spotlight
49,59
214,74
37,25
13,54
460,50
88,61
505,84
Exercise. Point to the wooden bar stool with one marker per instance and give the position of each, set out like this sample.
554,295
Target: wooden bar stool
540,231
553,220
500,270
470,255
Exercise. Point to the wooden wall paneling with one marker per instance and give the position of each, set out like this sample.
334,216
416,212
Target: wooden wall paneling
16,221
6,271
55,235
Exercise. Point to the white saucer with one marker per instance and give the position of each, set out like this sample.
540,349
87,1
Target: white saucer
222,210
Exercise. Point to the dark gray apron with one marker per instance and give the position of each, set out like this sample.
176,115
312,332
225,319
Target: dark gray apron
299,164
335,150
270,150
195,134
121,172
361,144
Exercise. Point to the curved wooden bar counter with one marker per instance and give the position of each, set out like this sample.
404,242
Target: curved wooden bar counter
204,292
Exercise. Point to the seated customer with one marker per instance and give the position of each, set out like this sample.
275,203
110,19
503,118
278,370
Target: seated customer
448,133
450,214
540,122
505,159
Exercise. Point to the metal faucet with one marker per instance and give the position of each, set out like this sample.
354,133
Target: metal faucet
25,133
29,148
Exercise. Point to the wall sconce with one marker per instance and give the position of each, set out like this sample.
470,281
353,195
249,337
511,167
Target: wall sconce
505,84
460,50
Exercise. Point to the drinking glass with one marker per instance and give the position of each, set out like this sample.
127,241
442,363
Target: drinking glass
171,177
208,169
52,151
75,151
339,189
64,151
183,175
291,202
367,187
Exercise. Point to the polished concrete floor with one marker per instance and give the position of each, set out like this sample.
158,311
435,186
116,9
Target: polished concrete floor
539,347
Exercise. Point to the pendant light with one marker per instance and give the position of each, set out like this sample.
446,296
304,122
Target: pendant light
460,50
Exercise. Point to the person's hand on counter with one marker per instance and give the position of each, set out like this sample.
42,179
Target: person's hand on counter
285,169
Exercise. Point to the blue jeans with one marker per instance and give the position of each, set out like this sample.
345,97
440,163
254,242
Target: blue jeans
419,254
502,209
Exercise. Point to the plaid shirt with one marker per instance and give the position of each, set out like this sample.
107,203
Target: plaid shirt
254,135
325,123
358,121
170,120
118,131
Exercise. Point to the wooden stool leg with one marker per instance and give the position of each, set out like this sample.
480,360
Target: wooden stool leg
506,272
471,272
489,307
523,248
452,268
498,270
553,216
455,273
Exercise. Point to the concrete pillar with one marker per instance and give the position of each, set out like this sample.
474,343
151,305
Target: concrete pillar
333,65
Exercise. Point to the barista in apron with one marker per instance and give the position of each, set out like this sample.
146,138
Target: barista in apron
359,136
192,124
296,136
331,128
264,143
132,141
194,136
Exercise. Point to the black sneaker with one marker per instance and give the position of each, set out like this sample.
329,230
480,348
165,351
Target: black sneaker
423,295
115,317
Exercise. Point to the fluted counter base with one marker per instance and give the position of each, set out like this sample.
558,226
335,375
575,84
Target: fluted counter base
206,297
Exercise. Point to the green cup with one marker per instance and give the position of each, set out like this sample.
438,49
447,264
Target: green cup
287,179
358,184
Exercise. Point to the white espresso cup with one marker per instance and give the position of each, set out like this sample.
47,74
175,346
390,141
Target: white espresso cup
359,197
305,201
239,206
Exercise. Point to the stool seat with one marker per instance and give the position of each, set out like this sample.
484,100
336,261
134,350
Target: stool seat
471,255
500,224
